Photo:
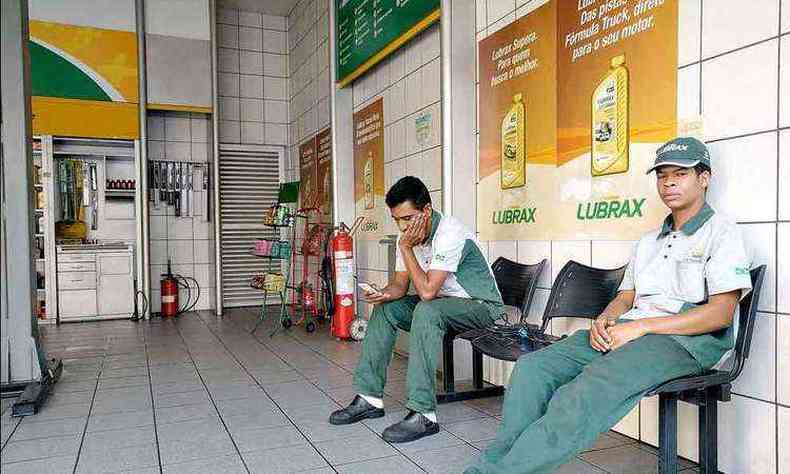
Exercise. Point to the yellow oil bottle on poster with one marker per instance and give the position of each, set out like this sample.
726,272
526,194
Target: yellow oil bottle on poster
514,144
367,180
610,121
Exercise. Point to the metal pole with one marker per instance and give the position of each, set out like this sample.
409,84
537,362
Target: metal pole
20,359
447,108
141,162
214,181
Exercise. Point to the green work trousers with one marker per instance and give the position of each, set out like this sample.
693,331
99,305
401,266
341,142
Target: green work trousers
426,322
561,398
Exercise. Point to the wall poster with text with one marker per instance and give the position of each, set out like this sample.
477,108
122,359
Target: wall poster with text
369,170
308,173
617,96
517,116
324,185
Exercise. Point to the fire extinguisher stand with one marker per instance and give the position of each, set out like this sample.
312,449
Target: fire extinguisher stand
342,246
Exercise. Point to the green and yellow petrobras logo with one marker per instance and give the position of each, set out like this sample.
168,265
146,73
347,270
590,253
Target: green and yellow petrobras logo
523,215
610,209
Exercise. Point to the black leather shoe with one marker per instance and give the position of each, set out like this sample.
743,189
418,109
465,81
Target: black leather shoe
359,409
412,428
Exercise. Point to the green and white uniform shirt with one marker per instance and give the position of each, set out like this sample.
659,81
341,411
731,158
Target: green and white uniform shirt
452,248
672,271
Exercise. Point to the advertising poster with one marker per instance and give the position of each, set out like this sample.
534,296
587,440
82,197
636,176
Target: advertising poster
369,170
616,104
517,118
324,156
308,174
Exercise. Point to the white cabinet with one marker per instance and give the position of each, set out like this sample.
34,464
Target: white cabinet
95,284
116,285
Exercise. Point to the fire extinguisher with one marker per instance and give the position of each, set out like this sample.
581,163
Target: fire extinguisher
169,291
342,245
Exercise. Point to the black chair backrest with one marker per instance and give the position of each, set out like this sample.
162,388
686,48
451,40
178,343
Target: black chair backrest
517,282
581,291
746,316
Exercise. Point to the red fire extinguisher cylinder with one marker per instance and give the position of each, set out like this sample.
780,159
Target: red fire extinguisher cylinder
169,290
343,263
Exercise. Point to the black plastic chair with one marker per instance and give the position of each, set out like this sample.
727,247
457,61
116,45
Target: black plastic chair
580,291
705,391
517,283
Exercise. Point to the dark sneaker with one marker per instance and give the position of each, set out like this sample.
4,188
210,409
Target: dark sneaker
412,428
359,409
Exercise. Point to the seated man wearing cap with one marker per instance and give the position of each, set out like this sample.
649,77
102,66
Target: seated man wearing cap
672,317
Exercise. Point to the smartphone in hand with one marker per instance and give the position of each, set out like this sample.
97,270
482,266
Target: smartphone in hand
369,289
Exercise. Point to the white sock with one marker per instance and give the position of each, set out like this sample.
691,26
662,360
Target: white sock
431,415
376,402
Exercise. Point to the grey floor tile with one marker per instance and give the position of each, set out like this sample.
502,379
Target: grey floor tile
178,387
321,430
51,413
118,458
120,382
490,405
625,460
445,460
390,417
40,448
119,369
53,465
284,460
388,465
475,430
30,428
455,412
105,441
260,402
347,450
224,464
611,440
577,466
8,426
267,418
65,386
442,439
182,398
58,398
123,420
257,439
186,441
234,391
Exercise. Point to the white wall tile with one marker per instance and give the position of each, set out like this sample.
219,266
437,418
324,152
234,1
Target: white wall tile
533,251
688,428
274,41
689,32
274,65
480,15
688,100
228,108
228,84
431,82
177,128
274,22
629,425
180,251
251,62
739,167
785,23
157,229
784,86
250,19
538,306
562,251
228,36
228,15
203,230
758,379
251,110
432,168
203,276
611,253
783,268
229,131
179,228
783,360
156,150
275,88
227,60
413,56
728,25
253,133
158,249
276,111
503,248
499,8
276,134
743,425
761,243
784,175
412,145
250,38
728,111
155,127
200,153
251,86
200,129
784,439
178,151
502,22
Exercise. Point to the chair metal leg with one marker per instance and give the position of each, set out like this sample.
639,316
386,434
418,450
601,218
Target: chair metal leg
477,368
668,433
708,434
449,364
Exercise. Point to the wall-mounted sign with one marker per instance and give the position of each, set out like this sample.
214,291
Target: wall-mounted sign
368,30
308,174
369,170
324,145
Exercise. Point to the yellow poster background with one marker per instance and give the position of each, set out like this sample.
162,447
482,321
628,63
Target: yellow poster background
622,205
519,59
308,174
369,170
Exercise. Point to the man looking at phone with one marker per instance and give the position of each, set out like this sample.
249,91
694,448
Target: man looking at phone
455,288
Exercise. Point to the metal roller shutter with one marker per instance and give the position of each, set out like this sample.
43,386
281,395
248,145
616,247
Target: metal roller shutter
248,184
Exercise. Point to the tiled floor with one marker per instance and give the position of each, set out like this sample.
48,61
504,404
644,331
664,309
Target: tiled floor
201,395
